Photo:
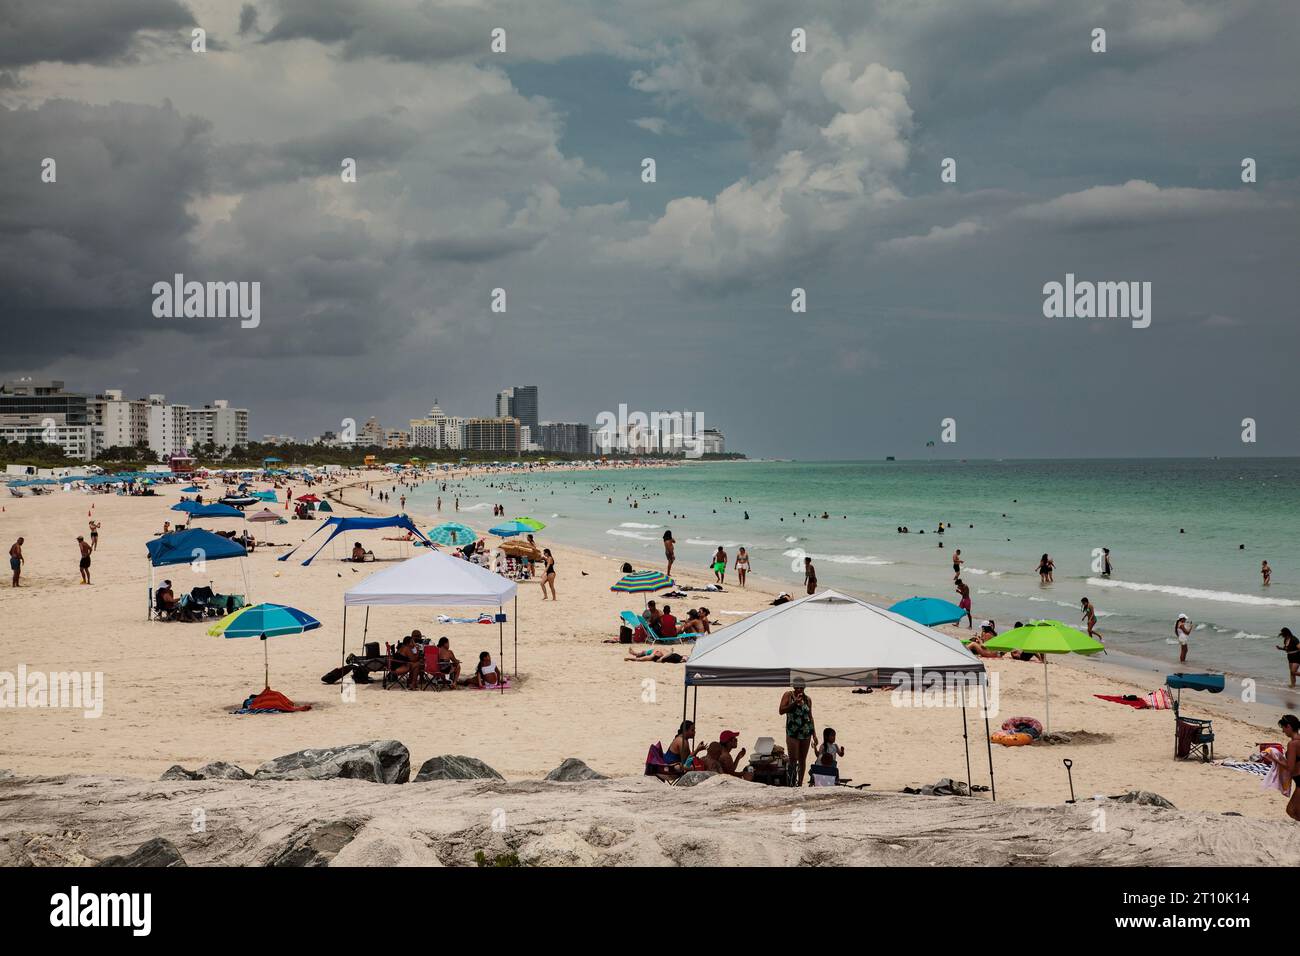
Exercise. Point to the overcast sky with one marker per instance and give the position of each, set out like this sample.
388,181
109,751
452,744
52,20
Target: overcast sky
775,170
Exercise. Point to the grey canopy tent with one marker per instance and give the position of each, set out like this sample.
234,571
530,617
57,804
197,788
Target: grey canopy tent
832,640
436,579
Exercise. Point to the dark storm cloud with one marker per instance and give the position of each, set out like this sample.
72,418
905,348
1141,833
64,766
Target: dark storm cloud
247,19
420,34
473,249
73,31
77,259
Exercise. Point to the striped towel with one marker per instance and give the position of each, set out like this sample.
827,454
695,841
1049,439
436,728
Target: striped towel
1160,699
1247,766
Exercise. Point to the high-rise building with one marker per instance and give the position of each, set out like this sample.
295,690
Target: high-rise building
372,434
492,434
397,438
713,442
567,438
437,430
219,424
44,412
519,402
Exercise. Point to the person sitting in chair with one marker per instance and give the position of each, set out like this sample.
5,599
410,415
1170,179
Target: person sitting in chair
718,757
165,598
448,661
359,554
409,658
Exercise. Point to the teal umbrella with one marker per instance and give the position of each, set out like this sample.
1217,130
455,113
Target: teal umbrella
263,621
454,534
511,528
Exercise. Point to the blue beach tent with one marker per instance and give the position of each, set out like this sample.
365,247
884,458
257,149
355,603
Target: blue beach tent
340,525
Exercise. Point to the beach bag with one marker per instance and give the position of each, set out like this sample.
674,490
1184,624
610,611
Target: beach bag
333,677
624,634
639,635
372,649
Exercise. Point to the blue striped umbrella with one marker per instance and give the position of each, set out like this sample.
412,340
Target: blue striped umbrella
263,621
512,528
453,533
641,581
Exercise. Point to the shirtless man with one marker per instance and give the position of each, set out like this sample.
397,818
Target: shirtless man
85,559
718,757
16,560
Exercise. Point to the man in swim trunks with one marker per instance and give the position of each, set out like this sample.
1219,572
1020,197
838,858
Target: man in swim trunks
720,565
16,560
85,559
956,564
810,575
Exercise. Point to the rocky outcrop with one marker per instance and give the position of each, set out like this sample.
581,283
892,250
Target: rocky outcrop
1144,798
574,770
155,853
455,767
693,777
315,844
379,761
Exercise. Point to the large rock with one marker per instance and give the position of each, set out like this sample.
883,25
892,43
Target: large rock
379,761
153,853
691,777
573,770
220,770
177,772
455,767
1144,798
315,844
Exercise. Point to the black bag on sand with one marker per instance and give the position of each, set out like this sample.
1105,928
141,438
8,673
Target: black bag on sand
334,676
624,634
372,649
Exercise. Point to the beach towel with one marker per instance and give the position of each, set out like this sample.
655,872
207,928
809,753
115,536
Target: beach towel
1247,766
503,685
270,702
1137,703
481,619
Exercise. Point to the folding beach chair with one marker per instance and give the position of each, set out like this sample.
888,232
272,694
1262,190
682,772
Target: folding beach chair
634,620
391,678
1193,737
437,673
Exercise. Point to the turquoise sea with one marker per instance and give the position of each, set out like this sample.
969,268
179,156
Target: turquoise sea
1175,529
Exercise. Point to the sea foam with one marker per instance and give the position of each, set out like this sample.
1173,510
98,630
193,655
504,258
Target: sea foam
1199,594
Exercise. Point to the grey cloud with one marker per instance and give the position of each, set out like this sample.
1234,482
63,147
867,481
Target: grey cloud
72,31
247,19
473,249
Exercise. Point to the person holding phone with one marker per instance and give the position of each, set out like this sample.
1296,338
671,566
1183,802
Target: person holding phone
796,707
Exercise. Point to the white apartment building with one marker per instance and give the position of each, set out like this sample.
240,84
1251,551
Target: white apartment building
437,430
218,423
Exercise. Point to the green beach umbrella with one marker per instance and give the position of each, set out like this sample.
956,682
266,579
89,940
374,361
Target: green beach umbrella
1046,637
454,534
531,523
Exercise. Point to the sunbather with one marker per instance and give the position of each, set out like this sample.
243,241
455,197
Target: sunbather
656,655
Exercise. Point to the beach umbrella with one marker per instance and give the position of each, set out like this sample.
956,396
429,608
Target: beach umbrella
266,514
522,549
532,524
192,489
1045,637
929,611
511,528
640,582
308,497
452,533
263,621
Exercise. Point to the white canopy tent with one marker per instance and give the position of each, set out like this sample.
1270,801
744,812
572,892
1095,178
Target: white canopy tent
830,639
435,579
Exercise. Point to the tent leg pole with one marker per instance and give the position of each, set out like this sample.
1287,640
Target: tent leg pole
686,689
501,651
343,654
965,738
993,787
695,708
516,624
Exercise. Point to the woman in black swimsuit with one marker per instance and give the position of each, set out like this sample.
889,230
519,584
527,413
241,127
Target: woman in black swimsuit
1045,566
1290,644
549,576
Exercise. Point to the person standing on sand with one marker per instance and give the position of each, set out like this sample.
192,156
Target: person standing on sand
94,535
720,565
809,576
1266,573
16,560
1090,618
1288,763
1290,644
742,565
962,588
548,576
1182,630
85,559
796,707
670,551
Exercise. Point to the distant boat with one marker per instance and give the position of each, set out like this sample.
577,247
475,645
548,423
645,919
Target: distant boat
889,458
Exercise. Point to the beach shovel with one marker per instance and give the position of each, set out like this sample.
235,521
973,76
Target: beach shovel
1068,764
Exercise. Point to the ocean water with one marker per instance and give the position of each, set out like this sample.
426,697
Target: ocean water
1174,527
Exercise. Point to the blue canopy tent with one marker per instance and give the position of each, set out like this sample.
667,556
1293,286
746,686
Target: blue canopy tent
186,547
339,525
196,510
929,611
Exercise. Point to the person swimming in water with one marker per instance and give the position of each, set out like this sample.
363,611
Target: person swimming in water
1045,567
1266,573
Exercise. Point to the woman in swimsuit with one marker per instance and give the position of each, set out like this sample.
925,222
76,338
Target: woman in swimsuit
1266,572
796,707
1090,618
682,751
1045,566
486,673
742,565
549,576
1288,762
963,589
670,551
1290,644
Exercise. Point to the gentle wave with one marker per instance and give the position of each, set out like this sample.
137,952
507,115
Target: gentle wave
1198,594
478,507
637,524
837,558
791,539
629,534
714,543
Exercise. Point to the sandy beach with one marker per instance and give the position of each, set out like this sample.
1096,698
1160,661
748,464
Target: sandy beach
169,687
